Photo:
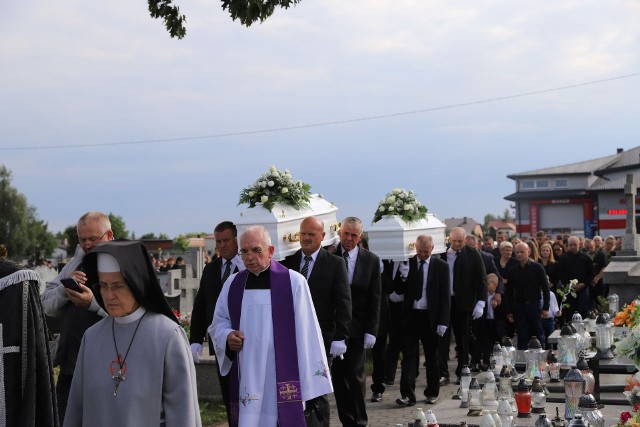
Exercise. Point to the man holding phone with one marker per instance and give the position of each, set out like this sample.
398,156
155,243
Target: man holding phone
74,302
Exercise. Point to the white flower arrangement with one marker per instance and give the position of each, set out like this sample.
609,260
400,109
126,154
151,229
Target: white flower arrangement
402,203
629,345
277,187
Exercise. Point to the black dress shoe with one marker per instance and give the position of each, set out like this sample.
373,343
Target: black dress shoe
444,381
404,401
376,397
389,382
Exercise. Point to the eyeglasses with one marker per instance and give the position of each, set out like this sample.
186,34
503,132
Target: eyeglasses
254,251
115,288
92,240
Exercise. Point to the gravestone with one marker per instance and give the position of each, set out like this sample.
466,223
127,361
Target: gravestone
623,272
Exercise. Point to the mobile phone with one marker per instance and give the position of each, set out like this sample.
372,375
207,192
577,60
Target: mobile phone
71,283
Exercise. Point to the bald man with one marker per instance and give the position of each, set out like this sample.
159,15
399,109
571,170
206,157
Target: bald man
331,295
526,283
468,283
575,264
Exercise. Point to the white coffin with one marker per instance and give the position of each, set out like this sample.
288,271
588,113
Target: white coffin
392,238
283,223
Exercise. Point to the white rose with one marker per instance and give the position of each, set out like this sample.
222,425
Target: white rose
276,174
391,199
252,193
390,208
264,199
271,183
401,195
381,208
408,207
263,184
396,191
272,169
284,190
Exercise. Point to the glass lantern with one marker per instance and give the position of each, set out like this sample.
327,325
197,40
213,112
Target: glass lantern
475,399
465,380
490,391
614,304
557,421
487,420
505,412
523,399
496,417
588,408
431,419
543,421
604,333
536,359
584,338
511,351
552,367
573,389
538,398
589,379
567,347
496,360
577,421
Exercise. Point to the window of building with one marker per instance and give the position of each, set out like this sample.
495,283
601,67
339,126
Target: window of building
561,183
528,184
542,183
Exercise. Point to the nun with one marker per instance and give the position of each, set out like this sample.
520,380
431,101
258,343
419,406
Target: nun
134,367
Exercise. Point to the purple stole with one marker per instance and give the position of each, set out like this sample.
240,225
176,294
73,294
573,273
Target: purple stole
289,394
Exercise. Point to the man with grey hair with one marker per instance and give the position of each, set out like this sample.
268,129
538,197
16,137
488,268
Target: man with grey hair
425,319
267,312
575,264
363,271
79,310
468,281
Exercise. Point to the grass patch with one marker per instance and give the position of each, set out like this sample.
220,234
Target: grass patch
212,412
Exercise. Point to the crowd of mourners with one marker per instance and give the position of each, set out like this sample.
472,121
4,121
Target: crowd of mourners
122,350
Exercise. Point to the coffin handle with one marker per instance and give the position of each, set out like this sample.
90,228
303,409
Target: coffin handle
291,238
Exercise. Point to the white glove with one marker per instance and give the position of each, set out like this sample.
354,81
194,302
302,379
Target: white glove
338,348
196,352
369,341
441,329
403,268
478,310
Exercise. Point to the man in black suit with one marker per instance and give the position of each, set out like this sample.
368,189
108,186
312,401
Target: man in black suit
213,277
468,281
363,270
330,292
426,318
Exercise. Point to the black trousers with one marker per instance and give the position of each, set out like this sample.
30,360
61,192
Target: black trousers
378,354
419,329
349,384
460,326
396,336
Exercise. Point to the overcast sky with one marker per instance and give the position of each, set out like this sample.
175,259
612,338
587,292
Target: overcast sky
101,74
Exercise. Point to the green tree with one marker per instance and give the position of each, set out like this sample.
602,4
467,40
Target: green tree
118,227
248,12
148,236
20,229
180,243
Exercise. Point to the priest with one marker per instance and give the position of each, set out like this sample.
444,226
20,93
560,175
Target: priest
267,339
26,371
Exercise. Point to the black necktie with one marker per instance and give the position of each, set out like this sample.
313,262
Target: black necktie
305,267
227,271
420,280
345,255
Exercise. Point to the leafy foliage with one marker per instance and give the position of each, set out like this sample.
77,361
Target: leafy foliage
118,227
566,291
173,21
250,11
20,229
277,187
247,11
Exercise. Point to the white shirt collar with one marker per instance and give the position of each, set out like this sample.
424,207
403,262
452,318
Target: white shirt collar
129,318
